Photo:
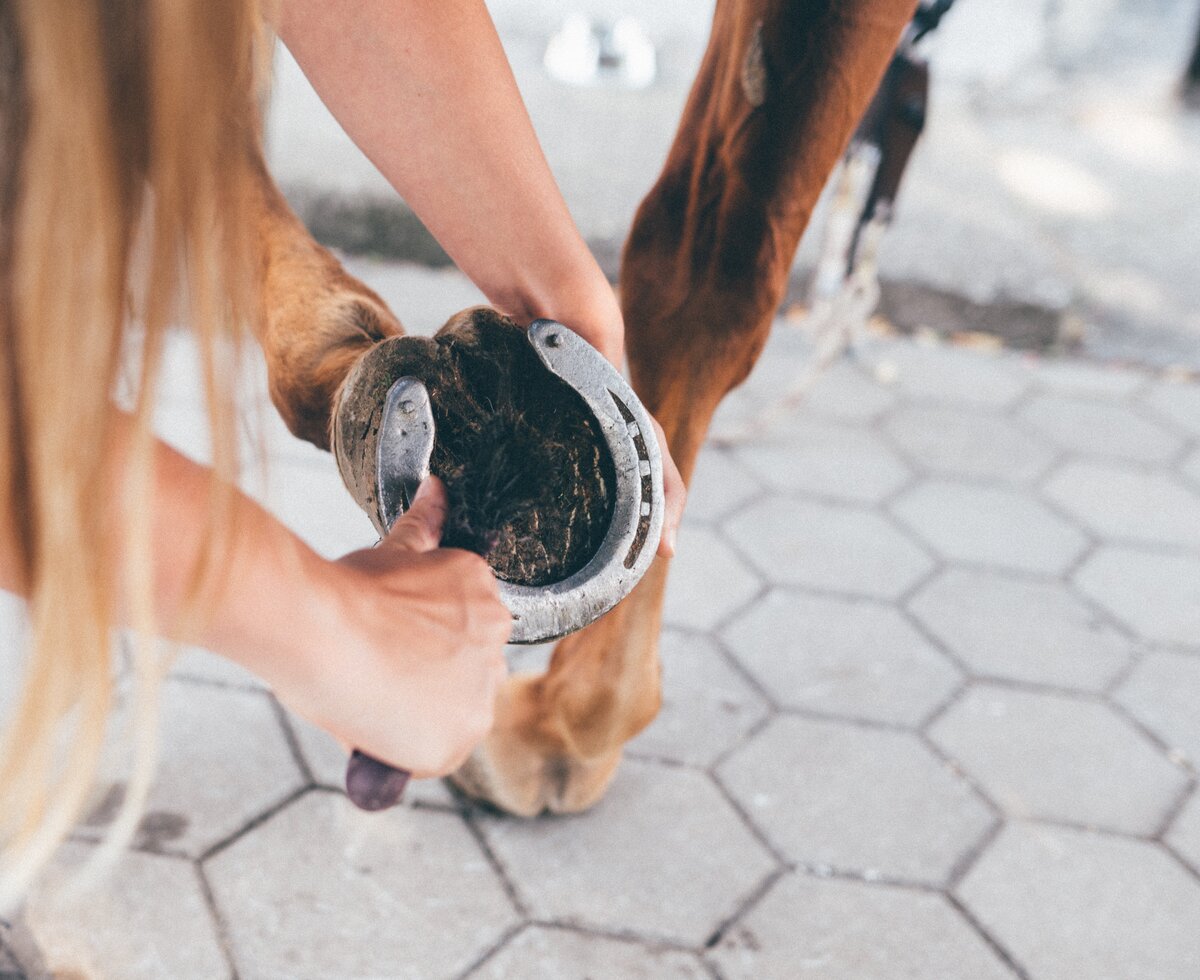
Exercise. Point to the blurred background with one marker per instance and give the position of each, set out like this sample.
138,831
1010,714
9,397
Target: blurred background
1052,200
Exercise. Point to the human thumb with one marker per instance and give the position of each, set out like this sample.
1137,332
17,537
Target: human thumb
420,527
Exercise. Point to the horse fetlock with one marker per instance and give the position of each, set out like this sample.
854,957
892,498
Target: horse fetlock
525,767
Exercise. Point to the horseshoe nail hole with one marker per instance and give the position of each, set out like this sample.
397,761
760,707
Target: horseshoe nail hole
553,340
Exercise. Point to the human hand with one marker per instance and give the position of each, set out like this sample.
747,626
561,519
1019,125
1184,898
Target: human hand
408,670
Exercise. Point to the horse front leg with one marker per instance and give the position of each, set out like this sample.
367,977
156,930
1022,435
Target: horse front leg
779,92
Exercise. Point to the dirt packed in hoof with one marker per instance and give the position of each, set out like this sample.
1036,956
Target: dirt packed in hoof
529,479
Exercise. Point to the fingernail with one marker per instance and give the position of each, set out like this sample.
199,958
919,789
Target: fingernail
671,540
373,785
422,490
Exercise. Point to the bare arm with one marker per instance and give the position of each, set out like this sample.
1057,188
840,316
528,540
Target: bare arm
397,649
425,90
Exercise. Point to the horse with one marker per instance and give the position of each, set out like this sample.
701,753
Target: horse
778,94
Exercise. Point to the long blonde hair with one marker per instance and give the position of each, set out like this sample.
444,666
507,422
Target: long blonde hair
126,129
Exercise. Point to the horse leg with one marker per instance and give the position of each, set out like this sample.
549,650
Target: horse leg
779,92
316,319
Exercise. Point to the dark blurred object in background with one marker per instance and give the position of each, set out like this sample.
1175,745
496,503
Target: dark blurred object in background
1191,79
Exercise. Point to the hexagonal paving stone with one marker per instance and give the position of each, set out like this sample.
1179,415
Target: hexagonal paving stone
875,802
787,353
785,359
1128,504
13,645
846,930
223,760
718,485
1044,755
801,542
538,953
195,663
958,442
844,391
1163,693
1157,594
662,855
1184,835
989,525
707,581
531,658
1100,428
1178,403
737,416
1068,904
325,890
147,919
1020,629
706,705
826,459
327,762
950,375
858,659
1071,376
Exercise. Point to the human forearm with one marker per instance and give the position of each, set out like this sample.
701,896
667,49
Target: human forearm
254,603
424,88
396,649
265,598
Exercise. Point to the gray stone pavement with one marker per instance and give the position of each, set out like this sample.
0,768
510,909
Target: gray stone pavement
1053,192
931,711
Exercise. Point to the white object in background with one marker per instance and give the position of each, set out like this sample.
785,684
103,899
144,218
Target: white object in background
586,53
573,54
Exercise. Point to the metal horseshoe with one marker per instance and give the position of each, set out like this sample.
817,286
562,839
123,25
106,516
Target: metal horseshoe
541,613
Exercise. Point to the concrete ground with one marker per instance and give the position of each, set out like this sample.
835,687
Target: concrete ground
1052,198
932,669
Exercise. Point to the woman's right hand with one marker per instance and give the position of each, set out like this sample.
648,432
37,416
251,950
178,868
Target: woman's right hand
412,652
